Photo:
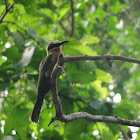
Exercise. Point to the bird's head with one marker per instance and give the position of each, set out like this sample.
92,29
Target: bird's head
54,46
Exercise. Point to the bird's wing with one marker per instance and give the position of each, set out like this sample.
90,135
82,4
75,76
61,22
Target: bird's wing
43,81
41,64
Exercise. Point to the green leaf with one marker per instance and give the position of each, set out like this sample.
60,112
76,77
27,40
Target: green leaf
18,117
117,7
103,76
52,135
12,53
97,84
30,21
2,8
85,74
2,59
82,129
78,49
19,40
30,5
100,14
105,132
49,13
88,39
96,104
62,12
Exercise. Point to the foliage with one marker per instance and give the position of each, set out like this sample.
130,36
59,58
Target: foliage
100,27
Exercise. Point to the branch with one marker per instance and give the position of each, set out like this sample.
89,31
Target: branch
60,22
84,115
6,11
69,99
55,98
70,34
11,22
72,18
63,27
99,118
100,57
123,132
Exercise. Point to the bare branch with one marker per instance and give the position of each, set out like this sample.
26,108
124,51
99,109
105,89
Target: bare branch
6,11
84,115
100,57
99,118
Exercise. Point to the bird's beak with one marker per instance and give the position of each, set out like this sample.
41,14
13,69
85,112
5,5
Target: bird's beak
62,42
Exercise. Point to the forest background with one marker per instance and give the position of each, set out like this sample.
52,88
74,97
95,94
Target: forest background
92,27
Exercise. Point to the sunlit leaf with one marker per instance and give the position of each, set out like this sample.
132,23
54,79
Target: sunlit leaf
89,39
62,12
2,59
103,76
103,91
49,14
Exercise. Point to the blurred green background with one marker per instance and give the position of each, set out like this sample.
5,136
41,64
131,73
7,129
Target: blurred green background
93,27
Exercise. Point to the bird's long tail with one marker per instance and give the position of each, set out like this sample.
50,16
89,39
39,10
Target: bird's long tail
34,117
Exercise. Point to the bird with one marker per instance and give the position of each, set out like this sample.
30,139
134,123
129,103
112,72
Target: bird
54,50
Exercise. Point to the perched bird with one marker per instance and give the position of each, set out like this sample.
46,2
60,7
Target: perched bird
45,69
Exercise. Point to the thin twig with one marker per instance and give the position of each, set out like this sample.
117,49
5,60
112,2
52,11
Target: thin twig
100,134
69,99
60,22
6,4
14,24
49,2
74,92
63,27
72,18
123,132
52,120
5,12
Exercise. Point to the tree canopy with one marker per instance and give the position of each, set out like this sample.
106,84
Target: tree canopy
92,27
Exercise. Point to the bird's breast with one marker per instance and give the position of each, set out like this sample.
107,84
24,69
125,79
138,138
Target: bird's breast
53,62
